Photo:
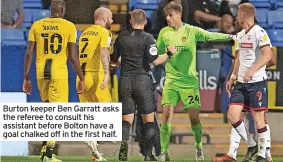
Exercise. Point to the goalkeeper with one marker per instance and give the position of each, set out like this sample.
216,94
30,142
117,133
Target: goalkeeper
181,82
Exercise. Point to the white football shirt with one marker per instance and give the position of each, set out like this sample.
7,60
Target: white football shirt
249,44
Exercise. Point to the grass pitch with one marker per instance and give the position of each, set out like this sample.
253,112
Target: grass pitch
109,159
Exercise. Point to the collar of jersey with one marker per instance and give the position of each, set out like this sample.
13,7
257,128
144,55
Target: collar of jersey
246,32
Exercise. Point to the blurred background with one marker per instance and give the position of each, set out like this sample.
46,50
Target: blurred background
213,64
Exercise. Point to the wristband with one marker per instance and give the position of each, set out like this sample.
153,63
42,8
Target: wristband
169,53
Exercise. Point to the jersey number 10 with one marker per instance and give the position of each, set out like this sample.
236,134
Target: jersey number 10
52,41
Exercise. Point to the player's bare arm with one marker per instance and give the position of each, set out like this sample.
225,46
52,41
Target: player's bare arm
105,64
272,61
262,61
162,58
76,65
233,74
27,87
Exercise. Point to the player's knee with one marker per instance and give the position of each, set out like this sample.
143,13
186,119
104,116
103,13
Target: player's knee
194,120
232,118
125,130
259,124
150,131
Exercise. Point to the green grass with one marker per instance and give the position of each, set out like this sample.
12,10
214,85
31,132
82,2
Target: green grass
112,159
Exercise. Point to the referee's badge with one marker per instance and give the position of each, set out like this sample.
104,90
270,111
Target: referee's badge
184,39
153,50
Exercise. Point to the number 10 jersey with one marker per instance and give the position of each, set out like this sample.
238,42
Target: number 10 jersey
52,36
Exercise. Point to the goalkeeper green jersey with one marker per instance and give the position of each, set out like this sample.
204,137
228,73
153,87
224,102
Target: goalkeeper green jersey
182,65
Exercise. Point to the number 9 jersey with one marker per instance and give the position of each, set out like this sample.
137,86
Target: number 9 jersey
52,36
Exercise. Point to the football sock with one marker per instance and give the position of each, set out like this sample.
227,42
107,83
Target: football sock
50,145
125,130
268,141
262,133
165,134
149,137
243,132
92,145
197,132
235,140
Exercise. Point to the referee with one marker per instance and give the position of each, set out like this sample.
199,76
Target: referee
137,50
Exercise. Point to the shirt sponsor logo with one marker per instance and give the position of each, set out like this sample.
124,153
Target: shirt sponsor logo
184,39
246,45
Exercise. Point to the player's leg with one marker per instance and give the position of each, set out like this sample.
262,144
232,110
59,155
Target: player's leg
259,104
43,87
157,145
143,92
235,140
170,98
58,92
125,96
91,84
238,99
268,141
191,101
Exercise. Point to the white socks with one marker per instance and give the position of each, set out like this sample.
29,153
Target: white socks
262,133
92,145
243,132
235,140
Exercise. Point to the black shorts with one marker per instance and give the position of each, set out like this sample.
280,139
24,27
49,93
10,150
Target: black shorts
136,92
252,96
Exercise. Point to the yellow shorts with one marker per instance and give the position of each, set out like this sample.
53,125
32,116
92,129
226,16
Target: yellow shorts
93,92
54,90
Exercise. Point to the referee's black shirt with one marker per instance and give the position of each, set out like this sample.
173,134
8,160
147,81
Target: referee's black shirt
137,50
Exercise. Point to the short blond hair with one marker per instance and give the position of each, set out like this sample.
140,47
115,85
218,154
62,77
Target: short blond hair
138,16
173,6
248,9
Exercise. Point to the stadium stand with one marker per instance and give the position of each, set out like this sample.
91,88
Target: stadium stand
261,3
261,17
275,19
32,4
39,14
276,37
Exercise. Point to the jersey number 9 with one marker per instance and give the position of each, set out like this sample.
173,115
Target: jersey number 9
52,41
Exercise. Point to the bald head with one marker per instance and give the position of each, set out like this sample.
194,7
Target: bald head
58,8
101,13
103,16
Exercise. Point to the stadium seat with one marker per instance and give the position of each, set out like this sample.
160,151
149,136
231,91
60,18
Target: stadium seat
79,32
277,3
149,13
261,3
275,18
12,37
261,17
32,4
146,4
12,34
275,36
39,14
27,18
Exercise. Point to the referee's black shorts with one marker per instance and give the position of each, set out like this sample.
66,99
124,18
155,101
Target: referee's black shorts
136,91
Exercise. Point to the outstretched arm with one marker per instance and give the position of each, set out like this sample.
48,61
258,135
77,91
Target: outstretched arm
205,36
